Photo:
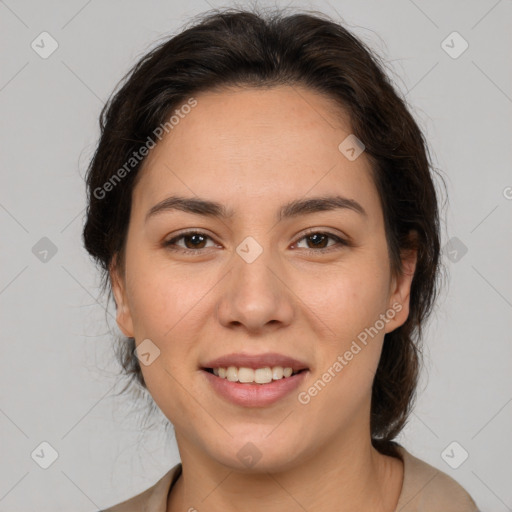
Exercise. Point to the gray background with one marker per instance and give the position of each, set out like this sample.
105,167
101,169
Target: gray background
57,371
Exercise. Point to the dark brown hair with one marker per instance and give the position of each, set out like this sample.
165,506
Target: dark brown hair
235,47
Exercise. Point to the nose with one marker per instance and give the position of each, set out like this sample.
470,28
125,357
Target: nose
256,296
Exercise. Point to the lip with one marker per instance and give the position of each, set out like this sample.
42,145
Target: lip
254,395
256,361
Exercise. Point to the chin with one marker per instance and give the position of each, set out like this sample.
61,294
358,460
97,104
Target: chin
257,452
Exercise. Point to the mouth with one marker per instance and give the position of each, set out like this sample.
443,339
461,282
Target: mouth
254,381
261,376
261,368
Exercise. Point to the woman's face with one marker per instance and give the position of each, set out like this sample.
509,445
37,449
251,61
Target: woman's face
265,279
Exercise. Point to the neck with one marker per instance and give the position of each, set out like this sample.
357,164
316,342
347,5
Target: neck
358,477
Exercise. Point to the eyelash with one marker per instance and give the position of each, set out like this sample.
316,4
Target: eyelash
169,243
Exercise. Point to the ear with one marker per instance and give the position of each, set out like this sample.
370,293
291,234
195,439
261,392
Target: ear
123,314
400,289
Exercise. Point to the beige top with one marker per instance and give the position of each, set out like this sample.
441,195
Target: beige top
424,489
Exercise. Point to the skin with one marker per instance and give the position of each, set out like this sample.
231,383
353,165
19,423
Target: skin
254,150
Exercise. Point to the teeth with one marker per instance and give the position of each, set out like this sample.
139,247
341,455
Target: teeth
232,374
277,372
248,375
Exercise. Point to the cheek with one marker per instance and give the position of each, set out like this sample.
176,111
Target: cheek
342,381
350,306
164,299
350,300
169,308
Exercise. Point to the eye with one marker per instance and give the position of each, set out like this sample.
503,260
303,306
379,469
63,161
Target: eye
194,241
319,239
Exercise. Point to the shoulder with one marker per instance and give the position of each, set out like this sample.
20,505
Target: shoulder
153,499
426,488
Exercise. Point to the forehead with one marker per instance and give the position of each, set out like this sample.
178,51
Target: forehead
259,144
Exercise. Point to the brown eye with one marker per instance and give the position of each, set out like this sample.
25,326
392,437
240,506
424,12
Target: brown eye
318,241
194,241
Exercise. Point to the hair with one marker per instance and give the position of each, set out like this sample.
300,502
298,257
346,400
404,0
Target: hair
240,48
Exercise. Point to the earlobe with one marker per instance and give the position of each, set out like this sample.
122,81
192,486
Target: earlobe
401,290
123,315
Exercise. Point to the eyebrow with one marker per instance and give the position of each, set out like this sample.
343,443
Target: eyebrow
294,208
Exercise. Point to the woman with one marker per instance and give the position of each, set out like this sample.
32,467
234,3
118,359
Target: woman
262,206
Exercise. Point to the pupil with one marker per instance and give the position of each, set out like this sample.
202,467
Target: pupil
316,236
317,239
190,237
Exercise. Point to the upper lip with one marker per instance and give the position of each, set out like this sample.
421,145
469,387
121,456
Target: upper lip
256,361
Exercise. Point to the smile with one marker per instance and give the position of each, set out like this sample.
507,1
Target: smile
250,375
251,393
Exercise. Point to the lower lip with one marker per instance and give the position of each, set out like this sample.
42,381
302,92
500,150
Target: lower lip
255,395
